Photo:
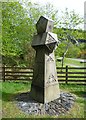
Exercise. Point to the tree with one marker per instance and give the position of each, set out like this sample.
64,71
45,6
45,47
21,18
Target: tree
70,21
18,29
11,20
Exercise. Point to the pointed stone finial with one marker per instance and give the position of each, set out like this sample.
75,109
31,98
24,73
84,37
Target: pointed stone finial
44,24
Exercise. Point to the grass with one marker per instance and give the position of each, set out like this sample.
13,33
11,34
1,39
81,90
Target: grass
79,92
10,89
71,62
10,110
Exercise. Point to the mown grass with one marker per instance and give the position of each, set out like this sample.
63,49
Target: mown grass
70,62
10,89
10,109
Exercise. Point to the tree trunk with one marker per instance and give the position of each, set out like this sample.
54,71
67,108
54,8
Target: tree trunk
65,54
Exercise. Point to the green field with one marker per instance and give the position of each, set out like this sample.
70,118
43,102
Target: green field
70,62
10,110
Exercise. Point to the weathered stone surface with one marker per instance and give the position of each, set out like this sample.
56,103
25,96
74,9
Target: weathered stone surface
47,39
45,87
44,24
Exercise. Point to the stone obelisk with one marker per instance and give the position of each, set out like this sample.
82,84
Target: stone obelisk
45,87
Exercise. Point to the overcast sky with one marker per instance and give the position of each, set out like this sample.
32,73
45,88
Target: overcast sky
77,5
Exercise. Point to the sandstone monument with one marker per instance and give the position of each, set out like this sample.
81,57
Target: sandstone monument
45,87
45,97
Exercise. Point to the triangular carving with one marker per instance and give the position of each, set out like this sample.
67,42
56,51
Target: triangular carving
50,39
50,59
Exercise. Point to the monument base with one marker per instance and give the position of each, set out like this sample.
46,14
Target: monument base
54,108
45,94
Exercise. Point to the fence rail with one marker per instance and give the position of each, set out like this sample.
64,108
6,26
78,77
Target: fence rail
65,74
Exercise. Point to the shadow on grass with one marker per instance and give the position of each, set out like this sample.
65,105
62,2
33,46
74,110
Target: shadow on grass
26,95
7,96
16,97
19,82
80,93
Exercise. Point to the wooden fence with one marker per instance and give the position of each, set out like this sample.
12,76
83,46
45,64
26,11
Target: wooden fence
65,74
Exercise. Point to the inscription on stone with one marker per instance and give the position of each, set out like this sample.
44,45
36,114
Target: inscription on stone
51,79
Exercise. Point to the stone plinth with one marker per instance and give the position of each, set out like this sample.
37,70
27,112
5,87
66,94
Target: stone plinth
45,87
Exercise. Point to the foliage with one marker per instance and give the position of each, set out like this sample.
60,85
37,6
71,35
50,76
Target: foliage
11,19
18,28
82,46
82,54
73,51
70,21
60,49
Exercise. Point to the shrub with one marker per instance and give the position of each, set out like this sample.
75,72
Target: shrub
82,54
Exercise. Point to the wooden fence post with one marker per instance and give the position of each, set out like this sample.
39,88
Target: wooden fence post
3,73
66,74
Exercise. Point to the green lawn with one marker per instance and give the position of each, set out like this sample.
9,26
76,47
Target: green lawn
71,62
10,110
10,89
